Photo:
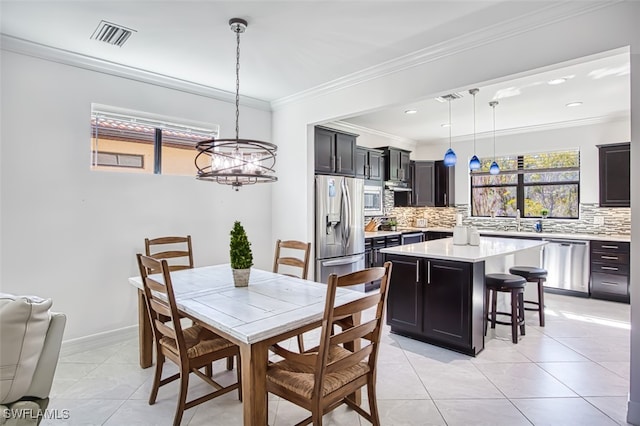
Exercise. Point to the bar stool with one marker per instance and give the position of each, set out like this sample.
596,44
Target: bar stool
533,275
506,283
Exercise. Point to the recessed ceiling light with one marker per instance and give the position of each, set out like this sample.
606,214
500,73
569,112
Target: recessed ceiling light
410,111
446,125
556,81
573,104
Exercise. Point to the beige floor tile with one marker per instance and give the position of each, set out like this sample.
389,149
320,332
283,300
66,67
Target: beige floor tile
480,412
562,411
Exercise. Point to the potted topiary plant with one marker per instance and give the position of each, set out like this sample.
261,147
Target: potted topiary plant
240,254
544,212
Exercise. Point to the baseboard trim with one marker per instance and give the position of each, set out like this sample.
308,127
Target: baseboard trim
633,413
98,340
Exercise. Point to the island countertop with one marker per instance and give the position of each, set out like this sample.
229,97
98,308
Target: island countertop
445,249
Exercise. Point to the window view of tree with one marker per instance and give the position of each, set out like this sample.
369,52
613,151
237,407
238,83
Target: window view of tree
532,183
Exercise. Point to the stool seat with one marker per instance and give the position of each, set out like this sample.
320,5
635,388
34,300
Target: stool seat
506,281
528,272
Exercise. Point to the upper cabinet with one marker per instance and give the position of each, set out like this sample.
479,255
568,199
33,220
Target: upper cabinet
615,169
433,184
369,163
396,164
335,152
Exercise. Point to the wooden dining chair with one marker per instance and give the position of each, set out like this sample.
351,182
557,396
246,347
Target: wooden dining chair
301,262
190,349
172,249
324,377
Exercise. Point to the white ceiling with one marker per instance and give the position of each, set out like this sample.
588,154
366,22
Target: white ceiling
293,46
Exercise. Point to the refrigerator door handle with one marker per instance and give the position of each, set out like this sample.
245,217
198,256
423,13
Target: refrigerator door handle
346,219
343,261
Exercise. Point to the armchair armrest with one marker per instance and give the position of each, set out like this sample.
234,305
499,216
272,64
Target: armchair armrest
46,367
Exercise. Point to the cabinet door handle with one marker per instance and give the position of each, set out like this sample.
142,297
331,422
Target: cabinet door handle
428,272
445,198
609,268
340,163
417,271
375,256
333,162
609,257
608,283
609,247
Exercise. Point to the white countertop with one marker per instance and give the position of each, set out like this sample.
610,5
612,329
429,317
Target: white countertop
524,234
445,249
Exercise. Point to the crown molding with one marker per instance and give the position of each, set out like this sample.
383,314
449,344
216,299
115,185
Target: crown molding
362,129
503,132
48,53
542,17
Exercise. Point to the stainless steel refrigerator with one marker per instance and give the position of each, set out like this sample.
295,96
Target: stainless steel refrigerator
339,226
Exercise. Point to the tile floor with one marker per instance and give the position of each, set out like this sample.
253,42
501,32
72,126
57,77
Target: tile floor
574,371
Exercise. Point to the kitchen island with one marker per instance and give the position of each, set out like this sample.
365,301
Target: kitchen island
436,293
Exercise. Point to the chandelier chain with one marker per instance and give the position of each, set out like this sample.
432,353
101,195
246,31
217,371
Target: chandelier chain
238,30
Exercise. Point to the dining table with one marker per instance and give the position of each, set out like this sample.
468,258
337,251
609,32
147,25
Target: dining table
272,308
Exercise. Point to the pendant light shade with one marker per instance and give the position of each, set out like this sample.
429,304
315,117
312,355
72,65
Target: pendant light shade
450,157
236,161
474,163
494,169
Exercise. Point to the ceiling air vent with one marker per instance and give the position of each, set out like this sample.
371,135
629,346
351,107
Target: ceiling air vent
112,33
449,97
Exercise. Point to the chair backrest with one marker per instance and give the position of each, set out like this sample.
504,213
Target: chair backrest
172,249
161,302
296,262
367,332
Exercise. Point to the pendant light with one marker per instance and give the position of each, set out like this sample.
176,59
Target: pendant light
450,156
494,169
474,163
236,161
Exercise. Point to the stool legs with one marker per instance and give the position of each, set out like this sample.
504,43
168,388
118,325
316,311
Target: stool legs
516,315
541,301
521,312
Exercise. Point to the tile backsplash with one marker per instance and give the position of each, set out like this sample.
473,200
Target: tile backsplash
616,221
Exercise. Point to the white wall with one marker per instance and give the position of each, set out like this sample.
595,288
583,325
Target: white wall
561,40
71,234
585,138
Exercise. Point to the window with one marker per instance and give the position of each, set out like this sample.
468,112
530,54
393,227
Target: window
532,183
129,141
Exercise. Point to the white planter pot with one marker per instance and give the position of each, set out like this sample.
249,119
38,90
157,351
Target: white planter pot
241,277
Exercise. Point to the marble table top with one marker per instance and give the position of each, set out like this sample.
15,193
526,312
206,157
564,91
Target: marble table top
445,249
270,305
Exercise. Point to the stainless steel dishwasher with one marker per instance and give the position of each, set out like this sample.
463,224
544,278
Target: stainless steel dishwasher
567,264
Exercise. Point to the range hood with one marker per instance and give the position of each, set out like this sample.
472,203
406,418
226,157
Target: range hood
397,186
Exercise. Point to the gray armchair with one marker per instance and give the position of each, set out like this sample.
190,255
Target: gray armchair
30,339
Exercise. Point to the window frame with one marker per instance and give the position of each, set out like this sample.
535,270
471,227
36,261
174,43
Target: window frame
520,184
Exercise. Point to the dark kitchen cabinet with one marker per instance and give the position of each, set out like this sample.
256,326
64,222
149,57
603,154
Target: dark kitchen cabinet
335,152
404,297
437,301
369,163
396,164
610,267
615,172
444,184
423,183
432,235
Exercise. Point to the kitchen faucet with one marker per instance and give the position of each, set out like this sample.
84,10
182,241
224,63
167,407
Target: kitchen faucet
518,227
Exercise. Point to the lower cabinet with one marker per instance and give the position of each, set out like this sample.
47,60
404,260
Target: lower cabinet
610,267
438,301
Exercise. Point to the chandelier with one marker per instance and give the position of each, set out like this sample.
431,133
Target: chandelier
236,162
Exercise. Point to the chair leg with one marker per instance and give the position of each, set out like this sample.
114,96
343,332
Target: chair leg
300,343
494,307
541,302
514,317
208,370
230,363
182,397
239,378
373,401
157,377
521,312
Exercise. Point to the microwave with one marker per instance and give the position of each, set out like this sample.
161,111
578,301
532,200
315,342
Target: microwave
373,200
